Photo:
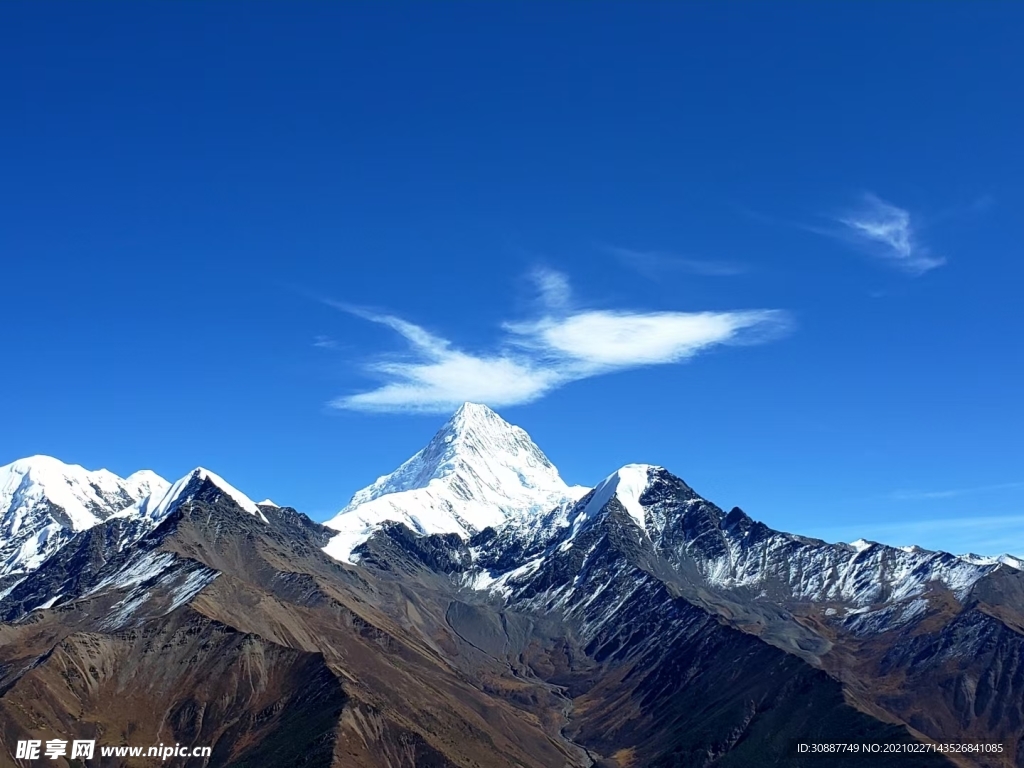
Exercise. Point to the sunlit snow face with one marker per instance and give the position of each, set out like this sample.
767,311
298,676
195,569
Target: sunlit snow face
44,501
477,471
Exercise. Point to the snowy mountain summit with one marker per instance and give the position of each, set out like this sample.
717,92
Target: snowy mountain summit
477,471
153,509
43,502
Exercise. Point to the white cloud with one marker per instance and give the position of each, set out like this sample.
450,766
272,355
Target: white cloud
601,341
533,358
888,232
439,377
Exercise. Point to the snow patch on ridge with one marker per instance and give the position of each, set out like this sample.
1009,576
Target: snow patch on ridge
500,583
47,604
160,578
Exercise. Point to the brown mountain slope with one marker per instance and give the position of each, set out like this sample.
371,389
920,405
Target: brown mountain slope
221,629
284,656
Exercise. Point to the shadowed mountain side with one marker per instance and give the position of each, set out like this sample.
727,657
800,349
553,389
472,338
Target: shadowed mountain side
667,684
660,682
958,670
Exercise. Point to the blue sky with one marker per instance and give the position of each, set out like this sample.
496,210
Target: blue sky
773,247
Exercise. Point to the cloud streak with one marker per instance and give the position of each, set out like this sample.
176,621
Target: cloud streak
951,492
885,231
324,342
653,264
534,357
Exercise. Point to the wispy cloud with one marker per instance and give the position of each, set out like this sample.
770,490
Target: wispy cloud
324,342
951,493
885,231
533,357
554,291
654,264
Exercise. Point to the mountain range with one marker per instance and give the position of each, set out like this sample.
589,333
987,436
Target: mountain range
471,609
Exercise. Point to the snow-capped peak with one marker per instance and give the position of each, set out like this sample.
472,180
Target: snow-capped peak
627,485
477,471
1011,560
156,509
476,439
83,497
145,483
44,501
